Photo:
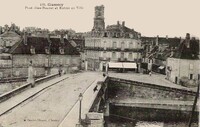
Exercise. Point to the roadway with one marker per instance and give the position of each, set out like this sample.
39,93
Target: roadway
50,106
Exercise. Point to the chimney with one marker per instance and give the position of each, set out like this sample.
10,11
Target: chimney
118,23
48,38
123,23
25,38
187,36
62,38
187,40
157,40
166,36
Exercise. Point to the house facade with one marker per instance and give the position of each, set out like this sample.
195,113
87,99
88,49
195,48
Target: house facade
47,55
100,51
185,62
158,49
115,43
179,68
9,38
5,65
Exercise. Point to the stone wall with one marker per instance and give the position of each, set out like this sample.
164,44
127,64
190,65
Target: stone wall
5,72
149,114
44,64
122,90
182,68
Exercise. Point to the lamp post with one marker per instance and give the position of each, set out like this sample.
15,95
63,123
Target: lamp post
80,99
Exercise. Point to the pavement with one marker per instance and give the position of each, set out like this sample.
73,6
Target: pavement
50,107
155,78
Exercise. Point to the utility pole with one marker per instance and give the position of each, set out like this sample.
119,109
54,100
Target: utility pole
194,105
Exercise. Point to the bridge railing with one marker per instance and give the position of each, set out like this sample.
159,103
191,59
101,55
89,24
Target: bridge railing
22,88
154,86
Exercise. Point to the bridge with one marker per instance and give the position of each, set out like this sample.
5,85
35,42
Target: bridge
156,104
131,95
52,103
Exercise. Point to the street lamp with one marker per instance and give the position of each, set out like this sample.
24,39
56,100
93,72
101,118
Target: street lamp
80,99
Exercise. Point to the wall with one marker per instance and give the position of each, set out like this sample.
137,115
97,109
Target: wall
8,41
108,42
5,72
124,91
149,114
100,50
183,67
44,64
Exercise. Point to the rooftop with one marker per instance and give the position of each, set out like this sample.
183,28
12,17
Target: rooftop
40,44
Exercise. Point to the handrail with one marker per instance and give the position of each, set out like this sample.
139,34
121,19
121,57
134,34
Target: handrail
20,89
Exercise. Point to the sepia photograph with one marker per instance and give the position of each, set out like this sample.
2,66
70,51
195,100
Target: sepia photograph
99,63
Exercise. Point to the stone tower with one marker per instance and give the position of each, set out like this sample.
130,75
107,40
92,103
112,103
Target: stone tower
99,24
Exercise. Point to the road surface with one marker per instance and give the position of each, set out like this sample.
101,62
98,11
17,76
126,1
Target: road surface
49,107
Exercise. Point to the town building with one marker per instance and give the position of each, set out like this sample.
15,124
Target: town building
115,43
8,39
5,65
47,54
156,50
184,65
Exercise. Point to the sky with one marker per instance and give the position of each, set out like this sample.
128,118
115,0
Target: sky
174,18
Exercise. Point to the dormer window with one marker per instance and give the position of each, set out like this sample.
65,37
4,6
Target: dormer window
61,49
32,50
47,50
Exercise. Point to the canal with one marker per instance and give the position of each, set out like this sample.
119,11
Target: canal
123,116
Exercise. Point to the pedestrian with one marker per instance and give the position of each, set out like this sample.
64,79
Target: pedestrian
31,71
95,88
59,72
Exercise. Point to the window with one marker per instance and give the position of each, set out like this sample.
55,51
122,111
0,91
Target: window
61,50
114,44
104,45
104,54
17,73
114,55
122,54
122,45
1,74
47,50
32,50
191,76
131,45
130,55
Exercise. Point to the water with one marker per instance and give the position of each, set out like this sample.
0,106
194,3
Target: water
151,124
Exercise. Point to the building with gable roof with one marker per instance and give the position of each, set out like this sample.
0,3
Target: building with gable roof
9,38
47,55
183,67
156,50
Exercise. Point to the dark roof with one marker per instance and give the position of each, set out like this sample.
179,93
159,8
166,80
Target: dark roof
79,41
191,52
10,34
173,42
40,43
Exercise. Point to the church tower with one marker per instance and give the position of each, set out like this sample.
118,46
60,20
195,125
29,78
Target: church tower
99,24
